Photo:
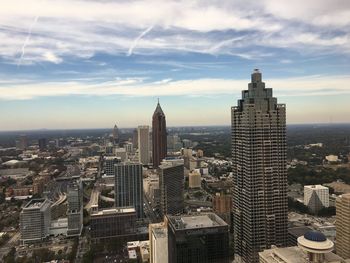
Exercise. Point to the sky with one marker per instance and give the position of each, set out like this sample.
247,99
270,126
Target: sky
92,64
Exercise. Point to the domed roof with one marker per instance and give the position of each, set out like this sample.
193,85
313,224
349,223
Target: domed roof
315,236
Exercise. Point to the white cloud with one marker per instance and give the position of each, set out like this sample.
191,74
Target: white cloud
305,86
51,57
78,28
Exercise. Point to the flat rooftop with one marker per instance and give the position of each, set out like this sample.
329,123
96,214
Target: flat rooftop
112,211
160,232
294,255
35,203
196,221
316,187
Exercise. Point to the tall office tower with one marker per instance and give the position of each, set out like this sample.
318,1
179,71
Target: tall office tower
75,208
343,226
115,135
159,136
259,171
171,184
316,197
200,238
129,186
135,139
35,219
42,144
143,144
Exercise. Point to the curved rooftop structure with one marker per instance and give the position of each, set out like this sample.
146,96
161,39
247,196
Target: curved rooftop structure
316,245
315,236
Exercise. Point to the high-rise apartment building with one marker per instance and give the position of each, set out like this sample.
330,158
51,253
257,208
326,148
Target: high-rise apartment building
343,226
75,208
143,144
200,238
260,205
35,219
129,186
316,197
159,136
171,185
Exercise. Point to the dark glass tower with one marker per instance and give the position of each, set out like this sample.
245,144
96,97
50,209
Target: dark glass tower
259,168
159,136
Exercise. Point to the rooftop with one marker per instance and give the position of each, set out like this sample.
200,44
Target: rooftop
316,187
196,221
35,203
114,211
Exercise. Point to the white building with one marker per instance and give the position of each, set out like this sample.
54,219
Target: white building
316,197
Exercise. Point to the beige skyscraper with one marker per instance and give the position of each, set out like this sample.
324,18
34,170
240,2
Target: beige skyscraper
143,144
343,226
259,171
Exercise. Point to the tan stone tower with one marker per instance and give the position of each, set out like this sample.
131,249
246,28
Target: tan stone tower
343,226
260,206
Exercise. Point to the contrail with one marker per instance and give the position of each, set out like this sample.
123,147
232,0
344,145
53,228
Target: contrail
27,40
136,41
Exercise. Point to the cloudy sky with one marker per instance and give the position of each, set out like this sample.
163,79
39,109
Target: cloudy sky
86,64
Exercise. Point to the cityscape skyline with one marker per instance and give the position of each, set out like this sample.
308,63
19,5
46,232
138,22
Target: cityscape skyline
88,65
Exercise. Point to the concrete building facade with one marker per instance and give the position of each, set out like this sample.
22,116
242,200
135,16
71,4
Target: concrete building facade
143,144
35,220
158,237
343,225
260,207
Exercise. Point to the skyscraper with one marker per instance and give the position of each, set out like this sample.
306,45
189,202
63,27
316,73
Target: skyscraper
115,135
75,208
129,186
343,225
171,184
159,136
143,144
259,171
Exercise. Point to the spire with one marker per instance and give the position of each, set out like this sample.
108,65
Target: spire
158,109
